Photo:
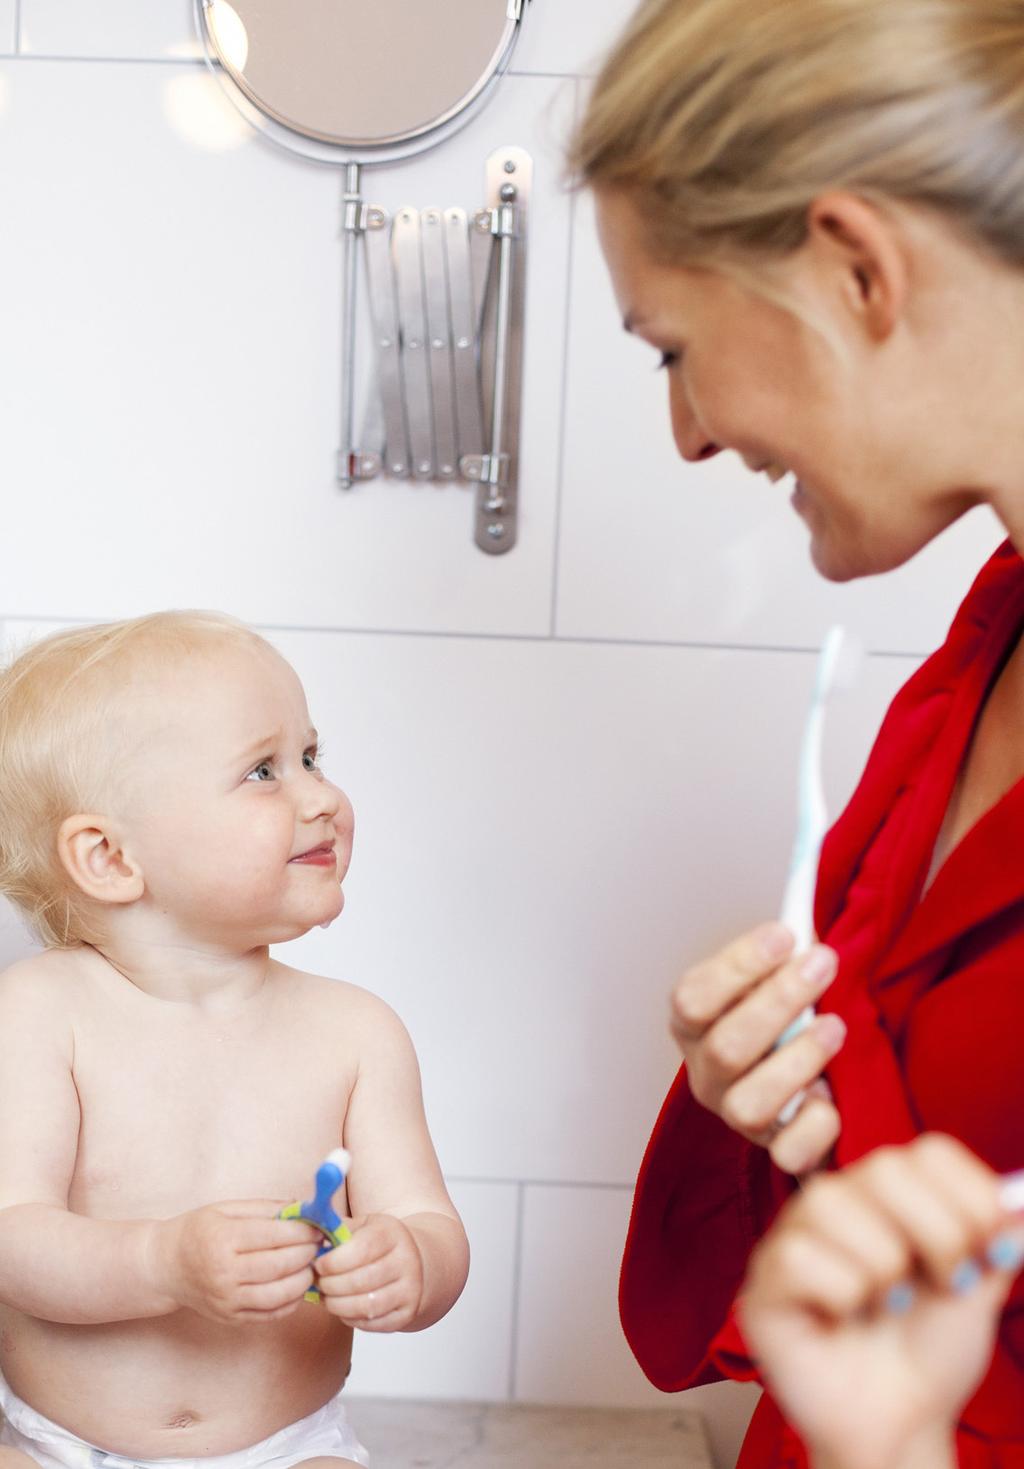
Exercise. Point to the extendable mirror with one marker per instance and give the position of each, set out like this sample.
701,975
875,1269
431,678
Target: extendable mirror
368,82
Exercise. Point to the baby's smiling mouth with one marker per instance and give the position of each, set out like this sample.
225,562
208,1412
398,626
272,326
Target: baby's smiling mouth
319,856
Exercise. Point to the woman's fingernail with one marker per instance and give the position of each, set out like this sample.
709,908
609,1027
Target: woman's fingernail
775,941
830,1032
965,1277
1006,1252
819,967
900,1299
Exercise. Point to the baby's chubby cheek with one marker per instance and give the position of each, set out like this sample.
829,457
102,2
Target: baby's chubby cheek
344,827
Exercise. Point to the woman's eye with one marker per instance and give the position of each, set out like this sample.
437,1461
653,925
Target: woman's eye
668,359
263,771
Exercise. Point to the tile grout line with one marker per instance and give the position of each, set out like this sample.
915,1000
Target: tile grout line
563,410
33,56
577,1183
517,1286
694,645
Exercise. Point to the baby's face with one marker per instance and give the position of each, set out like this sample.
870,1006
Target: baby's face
241,838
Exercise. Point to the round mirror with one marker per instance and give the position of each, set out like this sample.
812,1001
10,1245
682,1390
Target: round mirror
360,79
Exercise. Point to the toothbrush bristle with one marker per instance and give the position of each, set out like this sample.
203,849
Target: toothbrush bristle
341,1158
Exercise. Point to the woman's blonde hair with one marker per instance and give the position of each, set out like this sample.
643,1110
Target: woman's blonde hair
65,725
723,120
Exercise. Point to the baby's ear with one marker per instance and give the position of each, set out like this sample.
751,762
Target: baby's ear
96,862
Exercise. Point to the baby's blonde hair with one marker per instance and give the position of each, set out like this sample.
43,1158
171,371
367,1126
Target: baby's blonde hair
723,120
64,722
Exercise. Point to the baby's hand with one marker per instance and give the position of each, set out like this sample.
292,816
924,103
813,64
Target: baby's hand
375,1279
236,1261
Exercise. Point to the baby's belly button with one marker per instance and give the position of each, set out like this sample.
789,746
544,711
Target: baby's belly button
186,1418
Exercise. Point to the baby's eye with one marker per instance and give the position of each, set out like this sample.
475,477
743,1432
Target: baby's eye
263,771
311,760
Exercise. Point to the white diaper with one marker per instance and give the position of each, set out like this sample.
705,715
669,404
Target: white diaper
327,1431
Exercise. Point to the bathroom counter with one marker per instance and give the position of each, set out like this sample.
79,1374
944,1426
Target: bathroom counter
421,1435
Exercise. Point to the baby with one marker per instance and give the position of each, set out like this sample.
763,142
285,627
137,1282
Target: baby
166,1087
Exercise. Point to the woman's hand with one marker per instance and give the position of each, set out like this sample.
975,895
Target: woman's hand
872,1303
727,1015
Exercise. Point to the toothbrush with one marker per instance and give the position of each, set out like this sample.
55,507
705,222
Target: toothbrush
1011,1192
319,1211
798,900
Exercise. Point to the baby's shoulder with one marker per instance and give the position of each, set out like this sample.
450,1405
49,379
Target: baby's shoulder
34,998
336,1000
38,979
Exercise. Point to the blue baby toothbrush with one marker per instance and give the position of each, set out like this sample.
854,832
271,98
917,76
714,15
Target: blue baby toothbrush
837,665
319,1211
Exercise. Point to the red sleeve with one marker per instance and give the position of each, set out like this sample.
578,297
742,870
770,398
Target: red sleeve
703,1199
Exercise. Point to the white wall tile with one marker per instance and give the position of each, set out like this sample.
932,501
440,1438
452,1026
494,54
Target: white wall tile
570,1343
122,29
545,833
569,36
8,30
140,29
654,548
16,942
173,404
467,1355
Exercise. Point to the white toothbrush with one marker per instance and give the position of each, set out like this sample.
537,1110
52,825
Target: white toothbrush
798,900
1012,1192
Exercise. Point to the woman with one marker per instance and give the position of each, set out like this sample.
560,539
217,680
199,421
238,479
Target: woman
814,209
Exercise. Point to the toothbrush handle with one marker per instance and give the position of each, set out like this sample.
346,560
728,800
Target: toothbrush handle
329,1179
802,1022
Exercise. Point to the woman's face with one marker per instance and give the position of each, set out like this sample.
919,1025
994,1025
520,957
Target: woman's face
855,427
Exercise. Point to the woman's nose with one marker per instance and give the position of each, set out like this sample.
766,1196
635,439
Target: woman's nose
693,443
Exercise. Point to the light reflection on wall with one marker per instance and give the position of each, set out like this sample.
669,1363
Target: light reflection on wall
199,112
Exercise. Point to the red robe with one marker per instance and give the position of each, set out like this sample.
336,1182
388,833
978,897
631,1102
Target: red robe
932,991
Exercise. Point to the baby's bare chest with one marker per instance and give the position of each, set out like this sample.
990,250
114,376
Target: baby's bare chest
176,1116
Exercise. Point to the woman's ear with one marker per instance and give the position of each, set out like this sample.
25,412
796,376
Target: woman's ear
96,861
869,250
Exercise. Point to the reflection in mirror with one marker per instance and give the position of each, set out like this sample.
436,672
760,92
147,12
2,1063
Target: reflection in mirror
362,74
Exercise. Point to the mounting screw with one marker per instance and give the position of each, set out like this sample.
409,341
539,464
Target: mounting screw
375,219
496,531
462,342
509,166
493,505
507,192
398,469
424,467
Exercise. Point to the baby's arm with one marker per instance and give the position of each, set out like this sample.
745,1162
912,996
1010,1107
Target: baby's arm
64,1267
407,1261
